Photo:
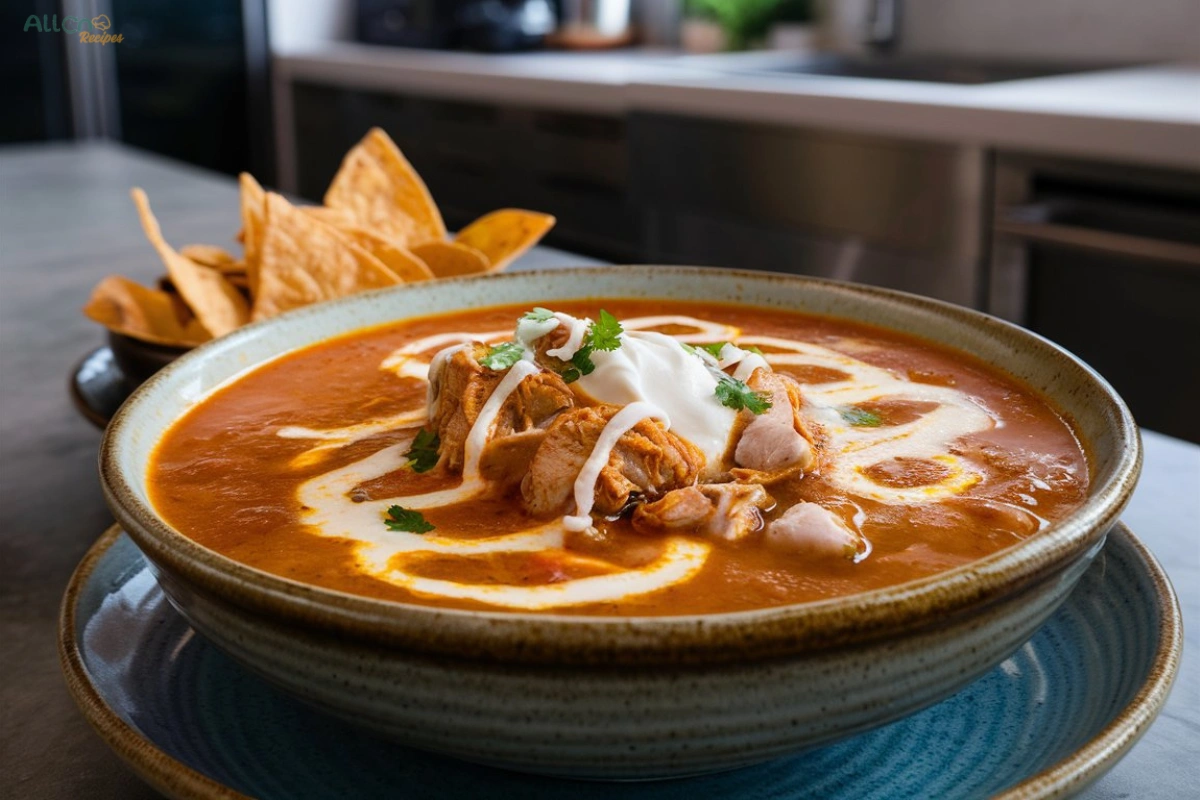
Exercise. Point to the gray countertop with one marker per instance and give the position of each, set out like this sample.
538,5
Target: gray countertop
65,222
1146,114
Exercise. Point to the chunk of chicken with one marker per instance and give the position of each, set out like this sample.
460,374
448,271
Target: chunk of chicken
813,530
535,403
727,511
505,460
776,442
460,386
551,341
647,461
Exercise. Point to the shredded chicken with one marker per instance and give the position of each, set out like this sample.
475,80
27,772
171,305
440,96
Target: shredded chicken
551,341
535,403
505,460
646,462
460,386
542,439
728,511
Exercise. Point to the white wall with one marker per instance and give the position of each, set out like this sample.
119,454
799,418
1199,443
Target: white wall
1059,30
303,24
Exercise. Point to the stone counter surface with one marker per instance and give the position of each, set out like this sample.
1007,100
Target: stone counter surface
1142,114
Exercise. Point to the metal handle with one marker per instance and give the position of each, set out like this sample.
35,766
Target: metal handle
1021,222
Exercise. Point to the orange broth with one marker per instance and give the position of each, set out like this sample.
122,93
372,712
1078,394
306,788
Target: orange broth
223,476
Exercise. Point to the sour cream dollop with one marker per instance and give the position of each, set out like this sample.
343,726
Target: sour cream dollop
651,367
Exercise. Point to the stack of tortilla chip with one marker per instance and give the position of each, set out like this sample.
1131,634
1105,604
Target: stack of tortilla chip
378,227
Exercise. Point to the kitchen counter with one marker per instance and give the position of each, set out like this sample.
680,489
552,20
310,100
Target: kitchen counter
1148,115
67,221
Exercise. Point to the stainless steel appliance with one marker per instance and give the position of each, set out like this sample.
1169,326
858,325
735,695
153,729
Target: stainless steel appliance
892,212
1105,260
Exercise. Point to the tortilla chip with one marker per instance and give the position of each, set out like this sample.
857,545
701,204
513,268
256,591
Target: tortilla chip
254,215
394,256
239,281
503,235
384,193
304,262
232,269
452,259
217,305
150,315
337,217
235,273
410,267
209,255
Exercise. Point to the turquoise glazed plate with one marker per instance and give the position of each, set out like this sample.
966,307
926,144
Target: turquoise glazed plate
1045,723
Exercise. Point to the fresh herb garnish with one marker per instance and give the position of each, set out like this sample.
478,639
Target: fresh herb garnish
601,335
860,417
736,395
581,364
404,519
714,349
689,349
605,333
749,348
423,454
503,356
539,314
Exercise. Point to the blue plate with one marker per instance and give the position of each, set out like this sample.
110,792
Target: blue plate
1046,722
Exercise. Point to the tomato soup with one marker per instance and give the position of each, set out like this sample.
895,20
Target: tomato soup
617,457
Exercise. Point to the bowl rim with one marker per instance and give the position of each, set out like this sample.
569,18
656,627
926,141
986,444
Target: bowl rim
555,638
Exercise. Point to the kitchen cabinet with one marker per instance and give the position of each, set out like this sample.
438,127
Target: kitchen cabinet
477,157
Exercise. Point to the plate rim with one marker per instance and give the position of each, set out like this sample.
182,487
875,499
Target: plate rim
156,767
79,398
1065,778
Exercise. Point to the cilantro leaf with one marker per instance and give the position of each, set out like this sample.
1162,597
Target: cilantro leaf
503,356
714,349
749,348
860,417
423,454
736,395
582,360
539,314
688,348
604,334
403,519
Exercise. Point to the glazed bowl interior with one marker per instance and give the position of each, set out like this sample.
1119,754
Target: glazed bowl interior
1102,421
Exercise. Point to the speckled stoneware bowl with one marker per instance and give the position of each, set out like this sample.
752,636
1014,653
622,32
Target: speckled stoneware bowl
619,697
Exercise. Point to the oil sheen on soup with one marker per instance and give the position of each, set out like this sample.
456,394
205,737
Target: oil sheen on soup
617,457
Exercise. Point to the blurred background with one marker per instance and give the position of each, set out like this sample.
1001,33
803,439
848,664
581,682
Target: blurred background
1037,159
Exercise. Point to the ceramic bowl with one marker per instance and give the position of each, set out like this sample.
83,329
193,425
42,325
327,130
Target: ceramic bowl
628,698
